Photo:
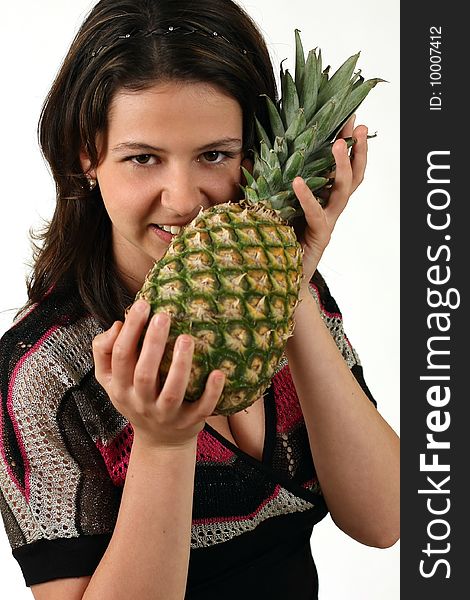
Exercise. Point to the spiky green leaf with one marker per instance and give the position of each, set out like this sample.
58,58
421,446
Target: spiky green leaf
280,199
339,80
324,78
277,126
299,66
297,126
251,196
263,188
265,152
290,100
250,180
306,140
316,167
359,93
322,120
274,180
315,183
294,165
262,135
269,158
311,85
356,96
288,213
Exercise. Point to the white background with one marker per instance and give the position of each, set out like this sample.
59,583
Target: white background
361,264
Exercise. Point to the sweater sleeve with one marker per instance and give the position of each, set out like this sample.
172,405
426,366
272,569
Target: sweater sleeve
57,499
333,319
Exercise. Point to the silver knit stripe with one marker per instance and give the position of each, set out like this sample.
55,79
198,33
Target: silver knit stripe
40,383
209,534
335,327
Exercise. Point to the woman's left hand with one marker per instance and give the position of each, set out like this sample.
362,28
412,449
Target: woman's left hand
320,222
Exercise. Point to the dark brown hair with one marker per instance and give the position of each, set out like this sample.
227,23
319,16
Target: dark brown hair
113,51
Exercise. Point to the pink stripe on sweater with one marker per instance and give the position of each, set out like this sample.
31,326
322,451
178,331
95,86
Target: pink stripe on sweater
26,490
289,411
116,452
209,449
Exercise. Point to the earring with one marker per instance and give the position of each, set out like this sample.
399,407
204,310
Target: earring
91,183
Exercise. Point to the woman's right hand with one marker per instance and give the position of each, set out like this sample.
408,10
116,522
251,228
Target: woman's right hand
160,417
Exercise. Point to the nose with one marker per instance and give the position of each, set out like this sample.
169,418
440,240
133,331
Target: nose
181,193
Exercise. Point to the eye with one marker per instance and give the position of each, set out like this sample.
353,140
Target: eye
213,155
217,156
142,159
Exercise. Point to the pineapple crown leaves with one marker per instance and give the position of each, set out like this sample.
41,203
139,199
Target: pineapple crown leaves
304,124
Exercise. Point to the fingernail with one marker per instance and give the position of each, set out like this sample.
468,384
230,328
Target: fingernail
219,377
141,306
184,343
161,320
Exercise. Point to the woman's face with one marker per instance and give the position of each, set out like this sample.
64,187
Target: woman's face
168,151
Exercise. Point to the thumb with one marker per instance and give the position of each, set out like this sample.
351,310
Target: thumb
102,346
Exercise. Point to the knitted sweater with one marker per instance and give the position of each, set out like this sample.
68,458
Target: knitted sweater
64,452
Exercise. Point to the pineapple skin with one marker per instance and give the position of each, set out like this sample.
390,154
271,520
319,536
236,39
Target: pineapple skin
230,279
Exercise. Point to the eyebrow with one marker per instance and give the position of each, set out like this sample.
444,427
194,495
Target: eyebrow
140,146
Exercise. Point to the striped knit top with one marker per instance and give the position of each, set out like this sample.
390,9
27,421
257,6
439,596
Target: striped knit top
64,452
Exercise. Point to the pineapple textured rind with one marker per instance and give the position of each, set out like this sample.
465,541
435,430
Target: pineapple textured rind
231,280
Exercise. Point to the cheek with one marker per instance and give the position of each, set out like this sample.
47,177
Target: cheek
227,187
120,197
114,180
122,204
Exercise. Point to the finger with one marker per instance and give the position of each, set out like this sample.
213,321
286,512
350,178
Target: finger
174,388
348,127
359,157
311,208
125,350
148,363
341,189
206,405
102,347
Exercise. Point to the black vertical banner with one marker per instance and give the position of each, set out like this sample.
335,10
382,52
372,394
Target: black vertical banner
435,271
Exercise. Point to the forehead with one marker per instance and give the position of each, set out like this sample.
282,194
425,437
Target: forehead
174,107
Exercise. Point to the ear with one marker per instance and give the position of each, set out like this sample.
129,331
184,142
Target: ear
86,164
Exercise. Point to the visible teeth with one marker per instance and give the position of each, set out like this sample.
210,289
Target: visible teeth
173,229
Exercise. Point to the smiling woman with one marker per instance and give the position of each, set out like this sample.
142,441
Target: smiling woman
111,485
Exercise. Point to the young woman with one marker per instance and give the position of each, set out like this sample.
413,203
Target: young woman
111,485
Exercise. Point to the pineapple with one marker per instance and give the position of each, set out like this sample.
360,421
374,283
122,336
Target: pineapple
231,277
